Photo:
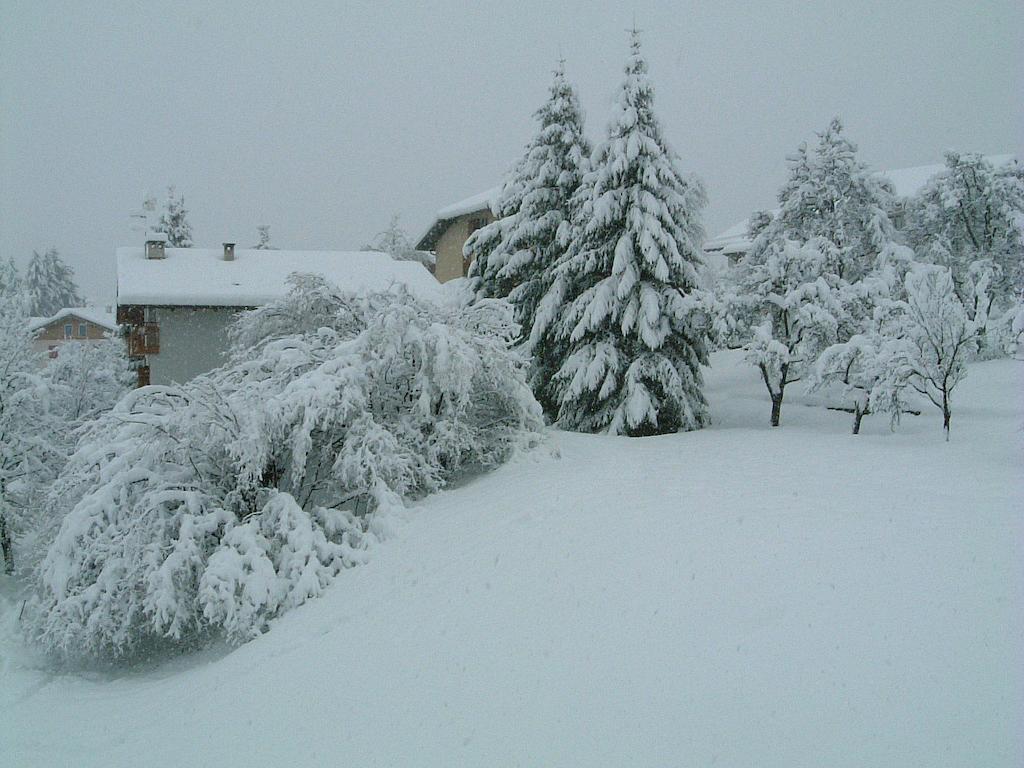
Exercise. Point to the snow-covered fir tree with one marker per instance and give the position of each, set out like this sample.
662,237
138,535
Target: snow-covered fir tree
968,218
263,238
49,285
174,221
545,179
10,280
216,505
624,299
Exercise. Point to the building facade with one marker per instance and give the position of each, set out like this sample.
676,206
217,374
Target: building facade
450,230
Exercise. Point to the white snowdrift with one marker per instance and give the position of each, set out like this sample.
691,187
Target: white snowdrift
737,596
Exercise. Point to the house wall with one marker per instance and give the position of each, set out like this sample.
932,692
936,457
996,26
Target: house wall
192,341
449,245
51,336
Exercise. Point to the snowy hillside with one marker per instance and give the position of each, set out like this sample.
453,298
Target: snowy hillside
737,596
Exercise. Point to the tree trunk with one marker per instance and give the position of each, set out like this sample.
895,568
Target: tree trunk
776,408
858,414
6,546
945,414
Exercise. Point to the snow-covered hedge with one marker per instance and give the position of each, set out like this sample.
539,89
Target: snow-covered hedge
214,506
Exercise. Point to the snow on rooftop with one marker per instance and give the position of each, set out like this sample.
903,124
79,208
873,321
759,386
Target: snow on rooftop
201,277
485,200
156,237
102,316
909,181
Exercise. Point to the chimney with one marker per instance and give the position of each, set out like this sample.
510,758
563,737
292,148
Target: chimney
229,251
156,242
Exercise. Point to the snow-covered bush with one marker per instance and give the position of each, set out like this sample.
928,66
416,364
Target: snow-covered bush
214,506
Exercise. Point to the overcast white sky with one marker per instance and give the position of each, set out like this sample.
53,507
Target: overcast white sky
323,119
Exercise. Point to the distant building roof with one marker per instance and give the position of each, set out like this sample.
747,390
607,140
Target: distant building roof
906,182
482,201
101,316
201,276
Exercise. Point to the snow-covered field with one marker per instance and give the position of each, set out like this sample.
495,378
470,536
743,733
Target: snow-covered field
738,596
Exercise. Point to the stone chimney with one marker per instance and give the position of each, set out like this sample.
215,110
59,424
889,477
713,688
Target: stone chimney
229,251
156,243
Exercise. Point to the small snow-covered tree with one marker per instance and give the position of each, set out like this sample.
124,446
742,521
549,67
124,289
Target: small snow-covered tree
174,221
795,304
870,367
395,242
263,238
214,506
26,436
49,285
940,336
624,299
968,218
798,285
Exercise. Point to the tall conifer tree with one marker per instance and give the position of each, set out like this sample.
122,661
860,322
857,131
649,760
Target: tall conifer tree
624,296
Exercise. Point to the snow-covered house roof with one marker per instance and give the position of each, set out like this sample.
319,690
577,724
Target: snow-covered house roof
202,277
482,201
101,316
905,182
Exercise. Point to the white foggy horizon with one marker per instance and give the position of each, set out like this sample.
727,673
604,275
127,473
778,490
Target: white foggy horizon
324,121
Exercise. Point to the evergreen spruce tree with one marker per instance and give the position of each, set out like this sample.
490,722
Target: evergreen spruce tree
532,237
174,221
625,298
10,280
49,285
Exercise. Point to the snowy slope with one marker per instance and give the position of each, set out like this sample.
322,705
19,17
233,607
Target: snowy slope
733,597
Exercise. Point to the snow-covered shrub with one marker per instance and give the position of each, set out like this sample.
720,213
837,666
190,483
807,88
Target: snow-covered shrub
217,505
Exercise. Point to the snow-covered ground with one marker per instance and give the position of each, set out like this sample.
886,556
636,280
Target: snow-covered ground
738,596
